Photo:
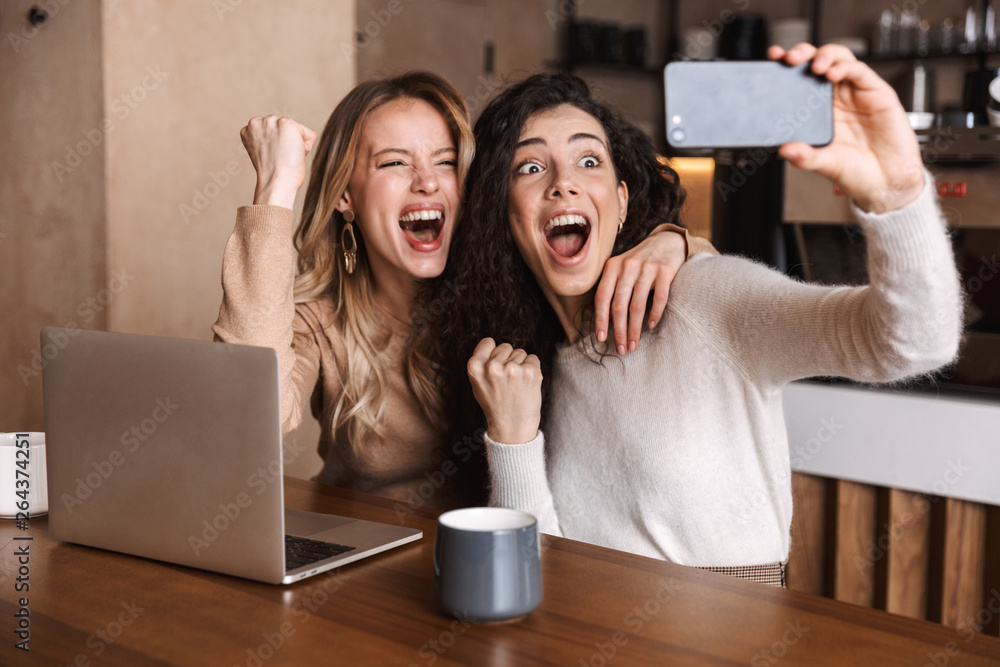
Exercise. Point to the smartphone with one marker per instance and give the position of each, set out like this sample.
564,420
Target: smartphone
737,104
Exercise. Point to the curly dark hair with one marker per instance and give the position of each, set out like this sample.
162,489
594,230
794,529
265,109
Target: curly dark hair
491,290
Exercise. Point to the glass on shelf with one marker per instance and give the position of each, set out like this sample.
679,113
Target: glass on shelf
909,20
990,28
969,31
946,32
882,38
901,33
923,38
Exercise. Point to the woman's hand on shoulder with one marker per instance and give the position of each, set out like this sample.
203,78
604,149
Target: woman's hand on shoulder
874,156
507,383
277,146
626,284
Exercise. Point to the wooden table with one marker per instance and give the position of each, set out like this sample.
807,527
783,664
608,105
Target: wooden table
92,607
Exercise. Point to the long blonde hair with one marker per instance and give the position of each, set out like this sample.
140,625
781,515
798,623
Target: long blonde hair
362,325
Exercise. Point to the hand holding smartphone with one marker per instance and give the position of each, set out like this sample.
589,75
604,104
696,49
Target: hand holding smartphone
736,104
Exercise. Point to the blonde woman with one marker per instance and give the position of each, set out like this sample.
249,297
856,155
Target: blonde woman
379,213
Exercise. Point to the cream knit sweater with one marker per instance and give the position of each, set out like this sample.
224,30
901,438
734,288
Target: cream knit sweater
678,450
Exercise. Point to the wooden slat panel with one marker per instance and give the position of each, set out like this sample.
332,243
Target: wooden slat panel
879,552
907,558
964,541
807,559
854,571
936,559
991,573
830,535
925,557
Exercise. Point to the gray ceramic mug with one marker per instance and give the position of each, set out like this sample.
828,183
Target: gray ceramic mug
487,564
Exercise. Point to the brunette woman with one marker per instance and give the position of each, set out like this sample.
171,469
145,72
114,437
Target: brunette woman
677,451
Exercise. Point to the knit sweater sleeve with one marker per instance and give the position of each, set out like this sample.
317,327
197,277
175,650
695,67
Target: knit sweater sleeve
258,273
906,321
518,481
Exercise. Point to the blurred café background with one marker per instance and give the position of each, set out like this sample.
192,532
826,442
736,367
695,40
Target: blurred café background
122,170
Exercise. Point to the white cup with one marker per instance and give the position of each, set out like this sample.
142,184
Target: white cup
993,107
23,488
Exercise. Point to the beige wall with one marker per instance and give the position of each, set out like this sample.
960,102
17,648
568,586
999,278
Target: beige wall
161,88
52,219
177,169
449,36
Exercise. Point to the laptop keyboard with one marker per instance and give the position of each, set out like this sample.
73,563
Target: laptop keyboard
301,551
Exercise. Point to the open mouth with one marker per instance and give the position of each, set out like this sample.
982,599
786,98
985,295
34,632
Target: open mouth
422,227
566,235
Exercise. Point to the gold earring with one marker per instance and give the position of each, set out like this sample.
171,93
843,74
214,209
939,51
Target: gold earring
350,250
621,223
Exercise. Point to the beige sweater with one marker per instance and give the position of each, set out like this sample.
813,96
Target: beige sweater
258,272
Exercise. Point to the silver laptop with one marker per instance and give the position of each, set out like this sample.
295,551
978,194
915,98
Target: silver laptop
171,449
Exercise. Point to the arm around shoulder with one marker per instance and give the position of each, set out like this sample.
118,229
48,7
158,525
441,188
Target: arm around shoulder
695,244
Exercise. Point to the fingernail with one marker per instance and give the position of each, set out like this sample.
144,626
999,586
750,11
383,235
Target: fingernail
601,335
621,349
652,324
631,346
